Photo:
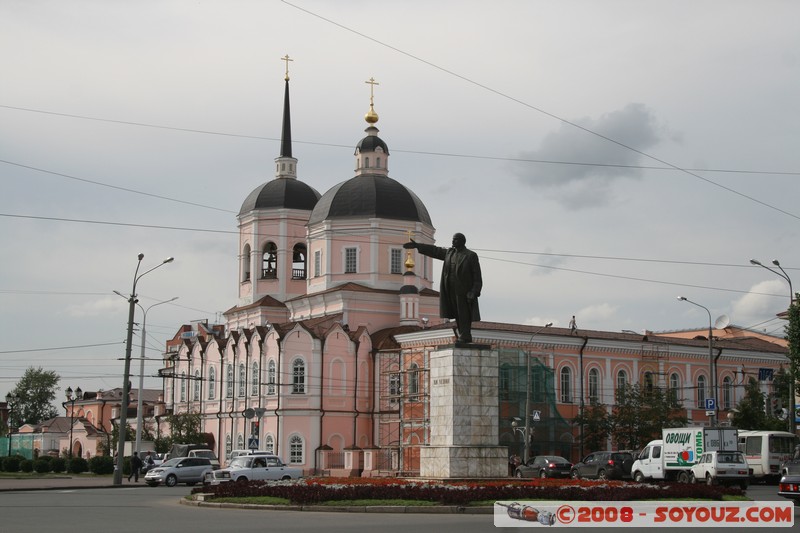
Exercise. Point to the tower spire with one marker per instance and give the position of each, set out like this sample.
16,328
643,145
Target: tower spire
285,164
371,117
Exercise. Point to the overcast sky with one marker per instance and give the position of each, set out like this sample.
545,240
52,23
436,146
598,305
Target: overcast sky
602,157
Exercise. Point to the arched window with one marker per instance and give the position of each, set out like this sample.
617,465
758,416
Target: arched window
240,442
228,445
246,263
298,376
594,385
229,382
197,385
299,261
701,392
394,387
242,380
674,387
212,382
183,386
622,380
366,162
566,385
295,450
269,444
727,393
254,381
413,381
269,261
271,377
648,382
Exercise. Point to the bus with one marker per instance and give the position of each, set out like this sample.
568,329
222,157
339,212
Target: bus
766,451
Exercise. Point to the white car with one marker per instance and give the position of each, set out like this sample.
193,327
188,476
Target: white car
189,470
253,467
723,467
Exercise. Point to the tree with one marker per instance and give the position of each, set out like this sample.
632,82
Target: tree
640,414
793,338
594,420
36,391
750,411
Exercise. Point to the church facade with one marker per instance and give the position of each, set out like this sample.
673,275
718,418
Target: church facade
324,358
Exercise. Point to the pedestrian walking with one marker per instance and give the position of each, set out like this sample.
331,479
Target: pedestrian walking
136,465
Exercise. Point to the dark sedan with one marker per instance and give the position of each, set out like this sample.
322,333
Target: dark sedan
789,487
604,465
544,466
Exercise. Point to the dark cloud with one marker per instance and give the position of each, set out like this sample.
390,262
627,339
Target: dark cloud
584,185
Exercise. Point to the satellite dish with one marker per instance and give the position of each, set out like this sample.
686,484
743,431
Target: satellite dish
249,412
722,322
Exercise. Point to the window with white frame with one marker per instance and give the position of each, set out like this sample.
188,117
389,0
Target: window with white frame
397,261
240,442
594,385
269,444
295,450
229,381
701,392
183,386
271,377
413,381
674,387
254,381
212,382
566,385
394,387
228,445
298,376
197,385
727,393
242,380
350,263
622,380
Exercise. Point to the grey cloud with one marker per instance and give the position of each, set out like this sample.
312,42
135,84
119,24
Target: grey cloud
576,185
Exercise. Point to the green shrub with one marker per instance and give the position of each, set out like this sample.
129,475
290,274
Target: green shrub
26,465
41,466
58,464
101,464
77,465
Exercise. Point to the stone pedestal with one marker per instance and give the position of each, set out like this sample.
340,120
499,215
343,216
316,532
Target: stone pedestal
464,410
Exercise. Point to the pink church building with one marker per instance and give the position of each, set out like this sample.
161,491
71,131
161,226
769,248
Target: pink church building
324,358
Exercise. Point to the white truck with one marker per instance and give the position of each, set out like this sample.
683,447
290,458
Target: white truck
671,457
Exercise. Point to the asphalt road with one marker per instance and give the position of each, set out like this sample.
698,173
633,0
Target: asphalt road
139,508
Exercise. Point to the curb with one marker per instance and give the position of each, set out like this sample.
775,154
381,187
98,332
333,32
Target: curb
399,509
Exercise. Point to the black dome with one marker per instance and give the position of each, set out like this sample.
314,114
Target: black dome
370,143
370,195
281,193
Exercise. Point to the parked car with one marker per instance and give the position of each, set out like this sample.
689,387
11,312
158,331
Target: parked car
724,467
236,453
604,465
792,466
253,467
189,470
789,488
208,454
544,466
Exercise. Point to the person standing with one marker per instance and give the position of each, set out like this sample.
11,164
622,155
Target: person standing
136,465
460,284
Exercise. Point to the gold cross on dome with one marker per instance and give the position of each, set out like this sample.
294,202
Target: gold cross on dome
287,59
372,83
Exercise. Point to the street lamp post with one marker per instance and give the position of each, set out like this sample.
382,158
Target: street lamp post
123,411
792,362
526,450
712,373
11,399
139,405
71,401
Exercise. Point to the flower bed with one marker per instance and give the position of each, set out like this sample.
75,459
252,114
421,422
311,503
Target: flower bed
306,491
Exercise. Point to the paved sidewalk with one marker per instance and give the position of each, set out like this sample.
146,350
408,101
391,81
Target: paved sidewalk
66,481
